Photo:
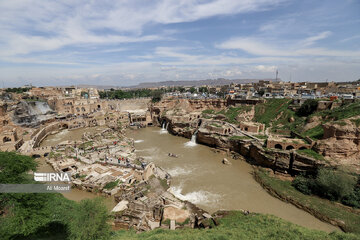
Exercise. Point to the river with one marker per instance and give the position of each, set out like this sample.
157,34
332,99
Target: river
199,177
73,135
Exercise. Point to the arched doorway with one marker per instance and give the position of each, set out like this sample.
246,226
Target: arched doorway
278,146
289,147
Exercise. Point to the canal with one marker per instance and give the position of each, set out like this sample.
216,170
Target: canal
199,176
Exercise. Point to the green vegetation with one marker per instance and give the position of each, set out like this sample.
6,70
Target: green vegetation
111,185
311,153
284,189
261,136
307,108
156,96
236,225
331,184
17,90
356,121
239,138
270,110
233,112
164,184
209,111
136,93
44,215
340,123
345,111
315,132
92,216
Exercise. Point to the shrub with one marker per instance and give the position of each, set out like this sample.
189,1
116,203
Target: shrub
303,184
334,185
353,199
307,108
330,184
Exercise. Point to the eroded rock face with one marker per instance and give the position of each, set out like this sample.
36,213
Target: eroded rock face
341,142
32,113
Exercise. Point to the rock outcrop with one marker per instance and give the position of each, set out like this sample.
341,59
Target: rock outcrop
341,142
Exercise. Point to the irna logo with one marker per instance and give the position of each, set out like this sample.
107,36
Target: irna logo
52,177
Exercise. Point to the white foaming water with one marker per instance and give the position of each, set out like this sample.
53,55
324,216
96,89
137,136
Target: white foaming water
179,171
192,142
164,128
138,141
196,197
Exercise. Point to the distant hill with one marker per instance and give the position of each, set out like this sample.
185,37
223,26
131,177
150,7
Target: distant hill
210,82
196,83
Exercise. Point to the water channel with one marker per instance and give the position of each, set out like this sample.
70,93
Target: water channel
199,177
71,135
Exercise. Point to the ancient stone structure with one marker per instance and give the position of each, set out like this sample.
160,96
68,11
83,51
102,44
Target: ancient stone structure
252,127
286,143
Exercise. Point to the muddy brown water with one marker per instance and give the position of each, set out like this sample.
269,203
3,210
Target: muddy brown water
199,177
73,135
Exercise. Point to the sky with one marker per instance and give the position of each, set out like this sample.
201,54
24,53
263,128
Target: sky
126,42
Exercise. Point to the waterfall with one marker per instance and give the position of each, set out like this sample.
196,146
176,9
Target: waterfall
167,125
192,142
164,127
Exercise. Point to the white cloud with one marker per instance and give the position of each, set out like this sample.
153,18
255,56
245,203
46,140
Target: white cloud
311,40
29,25
256,46
263,68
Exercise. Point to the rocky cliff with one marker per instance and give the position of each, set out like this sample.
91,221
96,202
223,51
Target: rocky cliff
341,141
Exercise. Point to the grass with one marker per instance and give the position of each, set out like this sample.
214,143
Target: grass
239,137
340,123
315,132
208,111
346,111
270,110
322,206
236,225
111,185
356,121
233,112
261,136
311,153
163,183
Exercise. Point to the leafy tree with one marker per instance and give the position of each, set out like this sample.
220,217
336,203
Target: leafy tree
13,167
203,89
156,96
330,184
334,185
25,212
261,92
307,108
89,221
192,90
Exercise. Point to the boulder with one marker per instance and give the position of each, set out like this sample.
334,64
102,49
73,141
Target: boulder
226,161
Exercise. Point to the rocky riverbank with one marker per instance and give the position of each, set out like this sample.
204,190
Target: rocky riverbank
226,136
346,218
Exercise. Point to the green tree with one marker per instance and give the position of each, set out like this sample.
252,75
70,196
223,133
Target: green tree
261,92
192,90
89,221
156,96
334,185
307,108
